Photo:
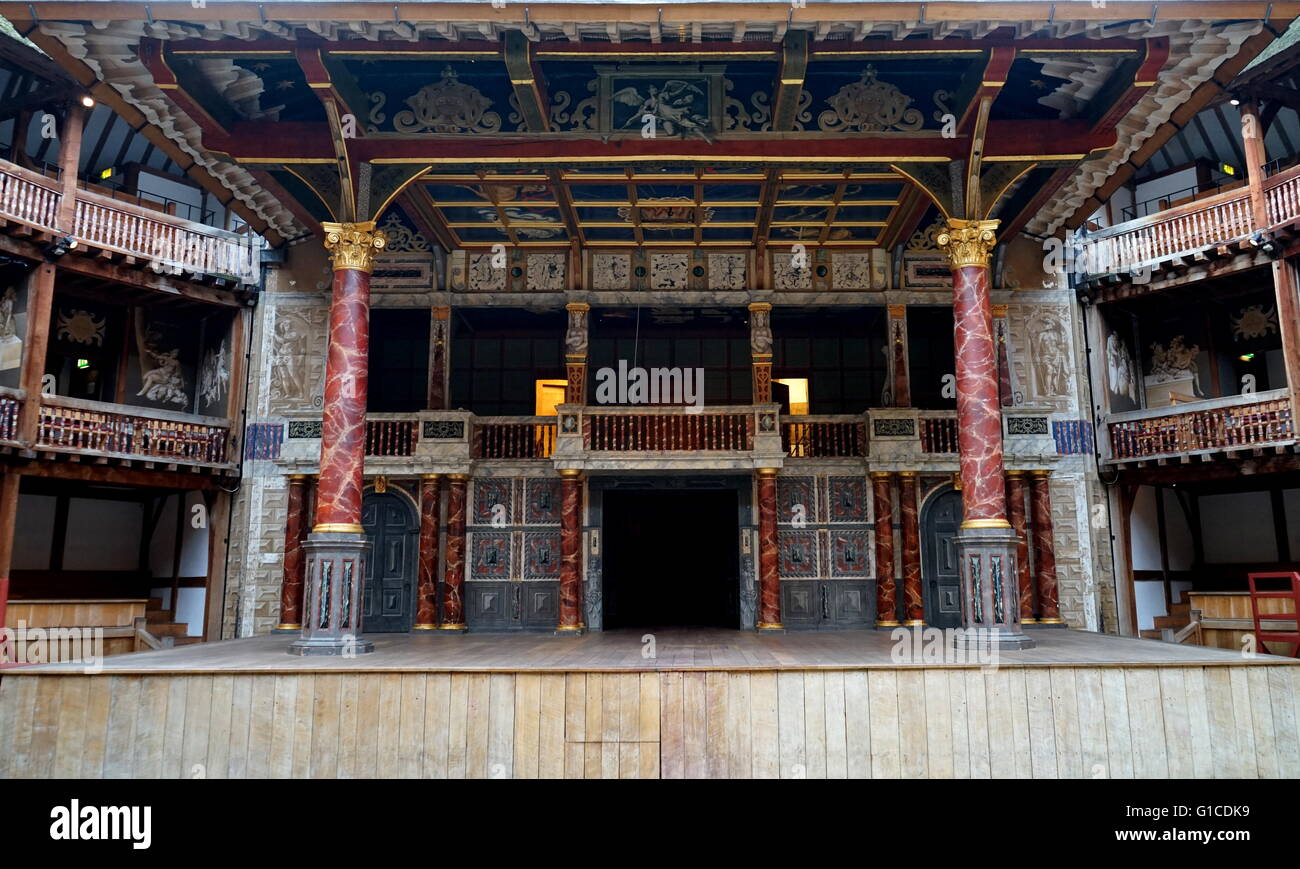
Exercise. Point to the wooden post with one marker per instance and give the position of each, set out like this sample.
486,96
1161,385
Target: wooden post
8,513
40,301
70,164
1252,137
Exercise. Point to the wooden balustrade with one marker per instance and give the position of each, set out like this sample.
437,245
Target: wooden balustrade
1187,229
171,243
390,437
1282,193
130,435
939,434
527,438
29,197
1221,427
8,417
810,438
681,431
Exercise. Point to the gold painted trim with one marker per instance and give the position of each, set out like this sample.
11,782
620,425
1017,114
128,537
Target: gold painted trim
1051,621
661,158
570,473
577,627
298,476
1029,621
458,476
338,528
1042,473
880,475
424,627
985,523
288,627
453,627
656,55
907,475
914,623
431,476
770,626
1022,158
767,472
1015,473
868,52
889,624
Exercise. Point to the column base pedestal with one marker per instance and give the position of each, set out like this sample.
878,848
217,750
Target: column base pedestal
570,631
1047,623
888,626
986,559
287,629
770,628
988,639
455,629
331,606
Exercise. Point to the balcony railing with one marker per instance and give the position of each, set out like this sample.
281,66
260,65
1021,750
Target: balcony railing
1188,229
621,430
68,425
169,244
939,434
819,437
9,404
390,436
1258,420
514,437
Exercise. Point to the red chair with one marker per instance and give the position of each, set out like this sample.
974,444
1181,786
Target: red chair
1293,594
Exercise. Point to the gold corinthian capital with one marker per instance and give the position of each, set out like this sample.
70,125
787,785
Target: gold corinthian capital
353,245
968,242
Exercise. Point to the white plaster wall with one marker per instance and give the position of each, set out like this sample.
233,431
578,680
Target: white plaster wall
1146,532
1167,185
1291,502
194,541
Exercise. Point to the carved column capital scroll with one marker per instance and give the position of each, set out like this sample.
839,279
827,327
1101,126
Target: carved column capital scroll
968,242
353,245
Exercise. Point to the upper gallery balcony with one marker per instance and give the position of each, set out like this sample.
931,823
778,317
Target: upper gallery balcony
137,233
1196,231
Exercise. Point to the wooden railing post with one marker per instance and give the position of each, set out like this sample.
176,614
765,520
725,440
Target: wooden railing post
1252,137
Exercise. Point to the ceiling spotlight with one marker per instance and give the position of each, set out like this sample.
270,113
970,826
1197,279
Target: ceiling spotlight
1234,101
88,101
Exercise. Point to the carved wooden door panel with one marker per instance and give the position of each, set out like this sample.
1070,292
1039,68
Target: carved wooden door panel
939,561
389,601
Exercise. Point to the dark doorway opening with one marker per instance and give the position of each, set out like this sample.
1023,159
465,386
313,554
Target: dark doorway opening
671,559
939,526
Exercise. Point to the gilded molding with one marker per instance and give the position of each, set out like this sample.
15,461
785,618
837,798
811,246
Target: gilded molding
353,245
968,242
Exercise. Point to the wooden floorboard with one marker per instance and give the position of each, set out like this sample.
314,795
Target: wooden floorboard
673,649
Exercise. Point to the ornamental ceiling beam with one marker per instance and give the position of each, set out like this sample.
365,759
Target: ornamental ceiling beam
1062,142
791,76
527,82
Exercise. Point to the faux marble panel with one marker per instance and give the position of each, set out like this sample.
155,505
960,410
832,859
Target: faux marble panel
798,554
847,500
492,502
490,558
795,498
850,554
541,555
542,502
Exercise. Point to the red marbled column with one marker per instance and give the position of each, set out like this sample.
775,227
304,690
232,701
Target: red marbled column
343,430
1049,611
769,576
913,602
426,607
453,575
979,415
570,551
1016,515
882,491
291,582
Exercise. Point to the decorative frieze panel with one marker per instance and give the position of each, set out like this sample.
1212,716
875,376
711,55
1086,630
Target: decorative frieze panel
546,272
297,358
611,271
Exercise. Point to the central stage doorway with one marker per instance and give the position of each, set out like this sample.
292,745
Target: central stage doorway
671,559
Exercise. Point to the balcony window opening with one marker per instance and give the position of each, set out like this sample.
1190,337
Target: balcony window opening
498,356
932,364
829,361
399,360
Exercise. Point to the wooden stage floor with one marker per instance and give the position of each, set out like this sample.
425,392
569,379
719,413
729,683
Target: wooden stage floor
673,649
710,704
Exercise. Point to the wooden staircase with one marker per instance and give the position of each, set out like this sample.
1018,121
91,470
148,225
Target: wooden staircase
1177,627
158,625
